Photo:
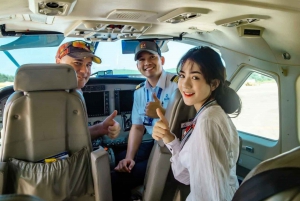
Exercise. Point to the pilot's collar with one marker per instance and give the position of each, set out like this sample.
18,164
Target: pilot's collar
161,82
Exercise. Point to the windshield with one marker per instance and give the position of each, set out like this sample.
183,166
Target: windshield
109,52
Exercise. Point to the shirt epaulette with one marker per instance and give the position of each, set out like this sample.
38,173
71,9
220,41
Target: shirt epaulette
175,78
140,85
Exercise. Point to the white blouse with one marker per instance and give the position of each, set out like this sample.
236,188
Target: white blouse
208,159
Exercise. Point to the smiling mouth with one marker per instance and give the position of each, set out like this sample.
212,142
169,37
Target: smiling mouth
81,78
148,69
188,94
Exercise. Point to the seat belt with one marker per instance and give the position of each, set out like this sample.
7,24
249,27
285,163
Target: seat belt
268,183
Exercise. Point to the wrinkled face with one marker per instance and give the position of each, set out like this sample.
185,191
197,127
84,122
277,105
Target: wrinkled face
192,85
150,65
82,68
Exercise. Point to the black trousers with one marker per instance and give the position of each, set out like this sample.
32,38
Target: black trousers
122,183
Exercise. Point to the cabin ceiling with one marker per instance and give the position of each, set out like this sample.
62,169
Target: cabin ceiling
281,29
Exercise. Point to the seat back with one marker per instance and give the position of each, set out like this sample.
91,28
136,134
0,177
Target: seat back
41,118
44,117
159,162
178,112
286,160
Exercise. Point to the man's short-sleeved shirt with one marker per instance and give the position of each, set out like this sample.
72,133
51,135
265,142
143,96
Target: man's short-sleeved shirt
164,88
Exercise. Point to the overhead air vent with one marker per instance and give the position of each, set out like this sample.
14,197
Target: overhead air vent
182,15
52,7
127,14
106,31
241,20
250,31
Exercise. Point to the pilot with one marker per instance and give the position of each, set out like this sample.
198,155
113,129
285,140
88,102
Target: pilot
80,55
152,94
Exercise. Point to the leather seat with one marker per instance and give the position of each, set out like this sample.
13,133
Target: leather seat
46,116
285,160
159,181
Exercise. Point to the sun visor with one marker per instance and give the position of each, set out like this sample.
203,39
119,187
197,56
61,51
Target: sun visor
34,41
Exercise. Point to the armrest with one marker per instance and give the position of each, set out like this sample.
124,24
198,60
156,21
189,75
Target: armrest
157,172
3,171
101,175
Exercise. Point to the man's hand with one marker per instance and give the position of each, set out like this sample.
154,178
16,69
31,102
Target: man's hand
151,107
161,129
110,126
125,165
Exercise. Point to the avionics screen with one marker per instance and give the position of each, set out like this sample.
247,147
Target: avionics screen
124,101
96,103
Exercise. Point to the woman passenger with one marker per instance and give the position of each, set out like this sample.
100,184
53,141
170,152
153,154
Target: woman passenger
207,154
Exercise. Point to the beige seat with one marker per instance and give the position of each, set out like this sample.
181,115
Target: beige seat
288,159
158,185
44,117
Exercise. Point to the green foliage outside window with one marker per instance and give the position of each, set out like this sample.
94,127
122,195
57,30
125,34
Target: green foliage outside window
6,78
261,78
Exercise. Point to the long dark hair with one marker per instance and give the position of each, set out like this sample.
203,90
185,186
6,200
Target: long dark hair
212,68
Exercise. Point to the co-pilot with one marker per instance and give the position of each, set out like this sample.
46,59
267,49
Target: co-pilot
152,94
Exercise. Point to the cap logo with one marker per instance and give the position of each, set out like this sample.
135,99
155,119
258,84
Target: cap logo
142,45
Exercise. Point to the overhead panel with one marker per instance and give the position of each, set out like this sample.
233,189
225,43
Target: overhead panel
106,31
129,14
241,20
250,31
182,15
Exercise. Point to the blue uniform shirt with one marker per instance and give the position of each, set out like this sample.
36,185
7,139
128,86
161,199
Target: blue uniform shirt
144,94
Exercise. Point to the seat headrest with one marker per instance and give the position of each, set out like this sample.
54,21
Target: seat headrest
40,77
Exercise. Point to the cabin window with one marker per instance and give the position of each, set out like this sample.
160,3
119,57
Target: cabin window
124,64
260,107
110,52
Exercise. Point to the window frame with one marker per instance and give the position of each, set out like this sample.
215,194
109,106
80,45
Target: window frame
237,81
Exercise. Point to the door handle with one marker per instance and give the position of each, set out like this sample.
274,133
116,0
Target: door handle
248,148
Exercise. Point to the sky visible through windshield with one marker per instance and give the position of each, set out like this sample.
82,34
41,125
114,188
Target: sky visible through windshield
109,52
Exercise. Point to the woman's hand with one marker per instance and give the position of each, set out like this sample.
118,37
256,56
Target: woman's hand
161,129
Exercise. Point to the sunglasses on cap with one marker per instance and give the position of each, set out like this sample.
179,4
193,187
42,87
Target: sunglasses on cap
64,49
